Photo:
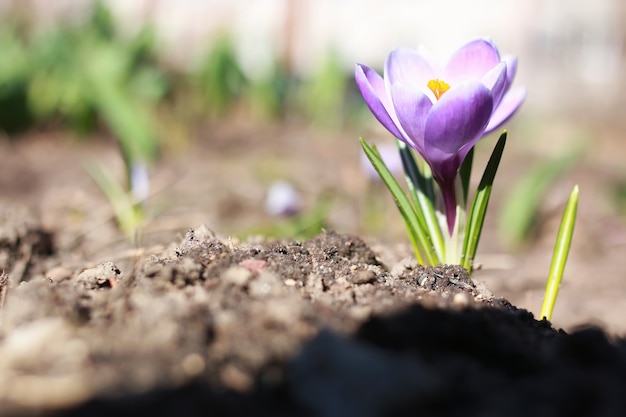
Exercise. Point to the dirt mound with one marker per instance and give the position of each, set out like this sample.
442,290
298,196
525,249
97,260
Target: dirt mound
320,327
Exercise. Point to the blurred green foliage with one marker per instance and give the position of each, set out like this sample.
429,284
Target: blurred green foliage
76,75
269,95
219,78
323,95
617,195
520,214
79,76
89,76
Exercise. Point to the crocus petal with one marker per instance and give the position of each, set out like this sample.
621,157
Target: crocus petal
412,107
511,69
457,119
495,80
455,124
507,107
374,94
407,66
472,61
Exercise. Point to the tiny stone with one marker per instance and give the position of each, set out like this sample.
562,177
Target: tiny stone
421,281
290,282
235,379
58,274
404,265
360,312
33,340
102,276
363,277
461,299
282,312
237,275
254,265
193,364
265,284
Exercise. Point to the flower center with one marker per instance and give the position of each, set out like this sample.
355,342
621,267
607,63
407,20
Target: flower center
438,87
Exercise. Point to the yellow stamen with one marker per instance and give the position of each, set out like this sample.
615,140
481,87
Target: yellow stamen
438,87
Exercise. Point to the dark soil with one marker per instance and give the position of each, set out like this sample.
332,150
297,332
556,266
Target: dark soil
321,327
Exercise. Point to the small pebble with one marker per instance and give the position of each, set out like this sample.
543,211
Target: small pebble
102,276
254,265
425,279
264,285
193,364
406,264
58,274
237,275
461,299
363,277
235,379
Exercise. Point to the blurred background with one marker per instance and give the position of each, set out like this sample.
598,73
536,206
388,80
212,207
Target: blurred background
123,124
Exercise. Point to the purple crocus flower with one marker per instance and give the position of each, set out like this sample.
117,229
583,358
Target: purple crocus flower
443,111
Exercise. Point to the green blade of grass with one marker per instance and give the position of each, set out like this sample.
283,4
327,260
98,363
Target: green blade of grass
417,235
559,256
423,180
421,189
479,206
384,173
128,214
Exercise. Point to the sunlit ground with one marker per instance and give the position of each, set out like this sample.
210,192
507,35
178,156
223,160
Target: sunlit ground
216,139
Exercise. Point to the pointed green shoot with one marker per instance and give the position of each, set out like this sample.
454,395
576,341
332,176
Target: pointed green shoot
559,256
417,235
421,189
128,214
479,206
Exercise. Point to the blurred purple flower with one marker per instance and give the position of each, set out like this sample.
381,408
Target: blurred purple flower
443,111
282,199
140,181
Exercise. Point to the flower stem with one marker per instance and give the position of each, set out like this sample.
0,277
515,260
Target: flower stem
453,242
448,192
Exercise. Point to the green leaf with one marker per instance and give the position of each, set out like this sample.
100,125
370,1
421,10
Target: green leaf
479,206
123,113
417,235
128,214
423,181
465,173
559,256
421,188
